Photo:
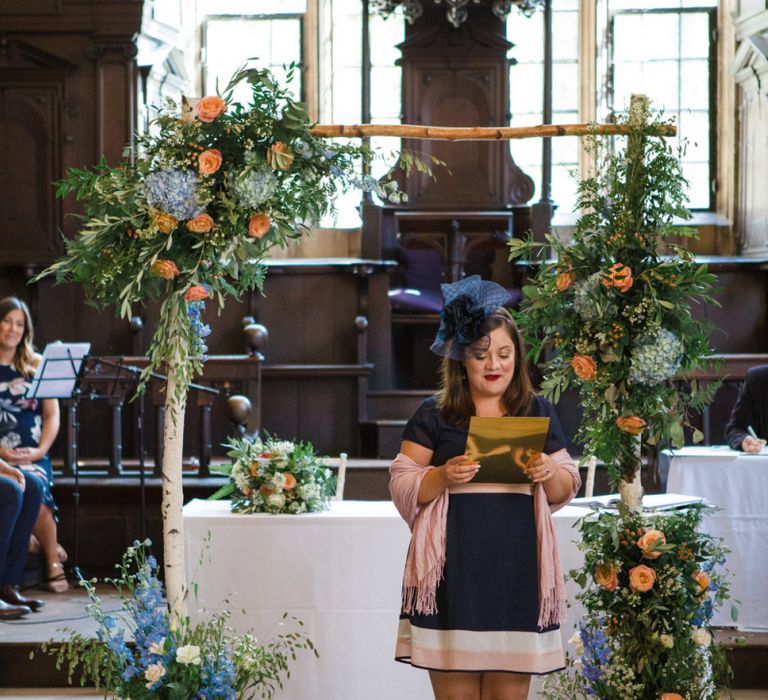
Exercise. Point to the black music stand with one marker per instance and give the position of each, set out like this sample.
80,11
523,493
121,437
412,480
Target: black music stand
58,377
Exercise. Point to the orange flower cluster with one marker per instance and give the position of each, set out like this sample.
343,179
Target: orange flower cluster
619,276
633,425
166,269
202,223
197,293
164,222
209,108
209,161
584,367
648,541
279,156
565,280
702,578
606,576
615,334
641,578
258,225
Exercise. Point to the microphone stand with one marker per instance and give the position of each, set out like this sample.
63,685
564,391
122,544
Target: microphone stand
135,373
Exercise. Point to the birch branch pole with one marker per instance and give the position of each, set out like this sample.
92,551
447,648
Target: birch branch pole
471,133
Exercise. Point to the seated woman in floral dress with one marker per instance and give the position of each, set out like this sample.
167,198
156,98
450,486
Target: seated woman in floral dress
28,427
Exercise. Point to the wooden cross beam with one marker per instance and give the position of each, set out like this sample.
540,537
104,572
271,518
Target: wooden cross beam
493,133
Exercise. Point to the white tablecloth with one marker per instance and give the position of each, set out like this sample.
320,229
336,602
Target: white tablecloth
340,572
738,484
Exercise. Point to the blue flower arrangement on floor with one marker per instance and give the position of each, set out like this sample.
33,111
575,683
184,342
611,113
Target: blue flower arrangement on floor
166,659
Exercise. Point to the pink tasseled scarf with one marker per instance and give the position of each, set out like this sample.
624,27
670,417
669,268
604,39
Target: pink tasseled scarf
426,555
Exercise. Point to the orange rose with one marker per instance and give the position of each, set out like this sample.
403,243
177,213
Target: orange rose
255,468
265,490
258,225
202,223
641,578
197,293
210,107
164,268
702,578
671,696
208,162
648,540
279,156
619,277
165,222
605,576
247,490
565,281
584,367
290,481
631,424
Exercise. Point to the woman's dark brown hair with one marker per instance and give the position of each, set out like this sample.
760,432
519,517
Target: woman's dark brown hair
24,360
454,401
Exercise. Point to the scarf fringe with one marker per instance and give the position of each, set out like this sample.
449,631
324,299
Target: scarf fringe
551,610
421,597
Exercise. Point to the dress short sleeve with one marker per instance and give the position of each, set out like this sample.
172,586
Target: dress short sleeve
422,427
555,437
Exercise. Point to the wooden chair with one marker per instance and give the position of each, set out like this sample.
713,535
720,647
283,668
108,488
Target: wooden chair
340,464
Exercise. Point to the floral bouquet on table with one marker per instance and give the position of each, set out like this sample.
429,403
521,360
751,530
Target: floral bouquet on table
139,652
276,476
649,596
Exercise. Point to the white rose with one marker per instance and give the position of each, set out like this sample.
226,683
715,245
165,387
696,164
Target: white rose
578,645
276,500
667,641
154,673
188,654
157,647
701,636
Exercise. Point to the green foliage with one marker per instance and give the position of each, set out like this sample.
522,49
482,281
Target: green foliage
612,316
139,652
216,185
276,476
641,637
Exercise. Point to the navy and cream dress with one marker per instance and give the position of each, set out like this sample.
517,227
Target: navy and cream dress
488,600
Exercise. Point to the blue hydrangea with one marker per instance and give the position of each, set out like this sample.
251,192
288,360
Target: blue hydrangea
656,359
254,186
174,192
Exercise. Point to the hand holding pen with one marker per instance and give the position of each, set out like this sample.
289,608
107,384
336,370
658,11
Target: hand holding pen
752,443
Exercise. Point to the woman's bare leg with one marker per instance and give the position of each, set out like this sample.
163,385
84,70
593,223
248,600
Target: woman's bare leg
455,685
45,531
505,686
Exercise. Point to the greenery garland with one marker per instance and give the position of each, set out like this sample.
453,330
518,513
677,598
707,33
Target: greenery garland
612,315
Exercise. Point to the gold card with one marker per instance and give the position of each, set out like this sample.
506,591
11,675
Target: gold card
505,447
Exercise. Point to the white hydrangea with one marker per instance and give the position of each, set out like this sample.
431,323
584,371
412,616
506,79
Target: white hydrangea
584,302
656,359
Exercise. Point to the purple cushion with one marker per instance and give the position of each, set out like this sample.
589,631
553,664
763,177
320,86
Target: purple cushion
420,268
415,301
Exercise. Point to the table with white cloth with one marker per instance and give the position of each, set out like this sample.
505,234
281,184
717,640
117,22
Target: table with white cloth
340,572
736,483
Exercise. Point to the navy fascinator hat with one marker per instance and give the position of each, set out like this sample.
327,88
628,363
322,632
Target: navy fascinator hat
467,304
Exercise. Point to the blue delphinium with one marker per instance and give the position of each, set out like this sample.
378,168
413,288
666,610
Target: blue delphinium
147,608
595,655
174,192
200,330
218,679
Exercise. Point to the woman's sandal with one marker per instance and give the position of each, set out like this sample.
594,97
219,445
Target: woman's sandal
57,580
